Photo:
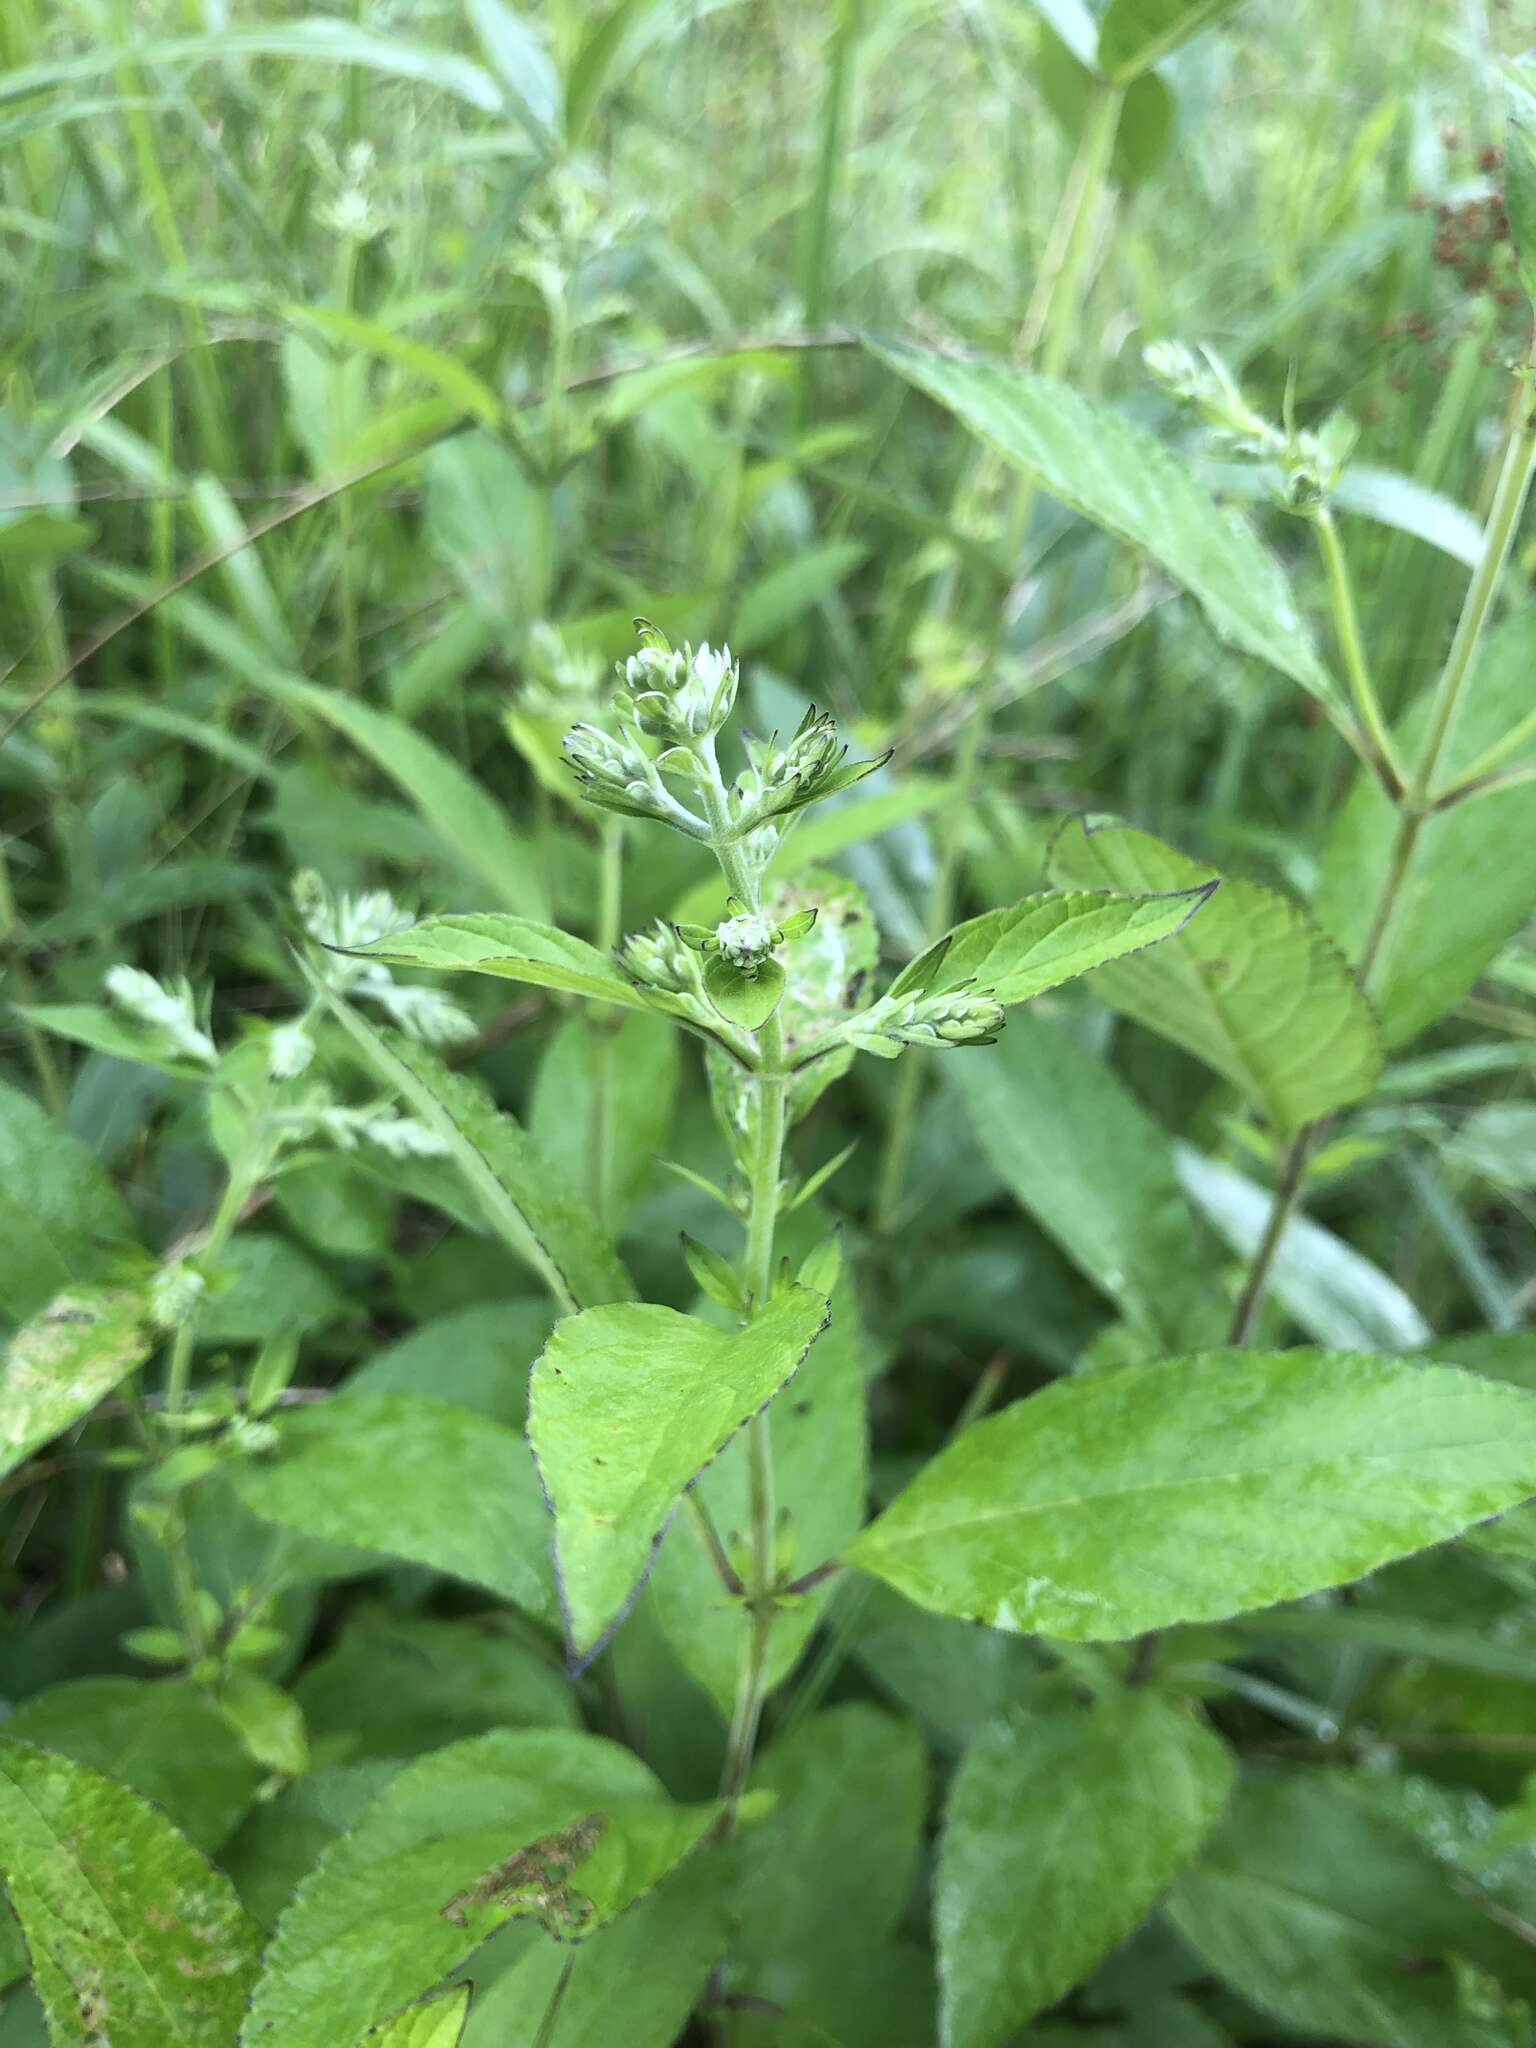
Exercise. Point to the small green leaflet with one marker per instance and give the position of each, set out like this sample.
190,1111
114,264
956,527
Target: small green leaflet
626,1405
439,1861
1121,477
436,2023
1251,987
410,1477
1063,1830
1196,1488
522,1196
1136,34
1520,163
66,1359
1044,940
134,1936
513,948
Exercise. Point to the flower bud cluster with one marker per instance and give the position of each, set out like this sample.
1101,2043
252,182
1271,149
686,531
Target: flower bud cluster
617,776
954,1017
778,781
168,1008
657,958
745,939
679,694
1310,463
340,922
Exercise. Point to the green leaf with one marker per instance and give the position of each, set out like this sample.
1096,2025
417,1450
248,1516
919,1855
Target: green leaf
469,822
520,1193
830,829
368,1928
1067,85
745,999
436,2023
1251,986
1520,163
1337,1296
512,948
1122,478
477,1357
1463,898
163,1738
787,593
1063,1829
453,379
523,66
1136,34
1320,1914
133,1935
104,1030
61,1363
407,1476
60,1217
1197,1488
651,1965
268,1722
1094,1170
626,1404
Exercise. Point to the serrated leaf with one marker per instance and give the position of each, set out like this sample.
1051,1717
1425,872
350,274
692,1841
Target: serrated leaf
66,1359
368,1928
133,1935
1045,940
626,1405
1062,1831
1196,1488
520,1193
60,1216
511,948
1251,986
1136,34
408,1476
436,2023
745,999
1121,477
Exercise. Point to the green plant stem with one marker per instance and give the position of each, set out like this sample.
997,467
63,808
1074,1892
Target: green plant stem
1050,325
237,1192
1346,620
604,1021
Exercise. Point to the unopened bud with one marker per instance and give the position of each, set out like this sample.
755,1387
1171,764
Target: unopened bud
657,958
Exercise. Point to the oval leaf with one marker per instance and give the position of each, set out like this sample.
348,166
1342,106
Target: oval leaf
59,1365
133,1935
1196,1488
626,1406
513,948
1251,987
745,999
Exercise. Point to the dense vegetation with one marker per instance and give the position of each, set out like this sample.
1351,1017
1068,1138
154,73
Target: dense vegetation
766,1231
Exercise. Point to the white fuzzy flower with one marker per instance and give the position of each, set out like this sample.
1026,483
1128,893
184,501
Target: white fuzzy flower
169,1008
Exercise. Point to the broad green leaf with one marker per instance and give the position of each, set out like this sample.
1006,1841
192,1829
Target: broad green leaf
512,948
1093,1169
1042,941
1337,1296
60,1217
1520,163
104,1030
1320,1914
745,999
477,1357
400,1901
268,1288
61,1363
1068,86
393,1687
1250,986
469,822
818,1435
1136,34
825,1876
280,1842
407,1476
1463,897
436,2023
830,829
951,1678
520,1193
163,1738
602,1106
626,1404
1196,1488
651,1965
1121,477
1063,1829
133,1936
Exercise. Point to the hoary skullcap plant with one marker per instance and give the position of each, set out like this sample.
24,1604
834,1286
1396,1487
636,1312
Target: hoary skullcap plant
567,1482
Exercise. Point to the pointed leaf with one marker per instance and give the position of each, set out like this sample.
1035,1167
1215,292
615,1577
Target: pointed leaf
402,1899
1122,478
410,1477
513,948
519,1191
1251,986
436,2023
1063,1830
1042,941
133,1935
626,1405
1136,34
1196,1488
61,1363
60,1216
